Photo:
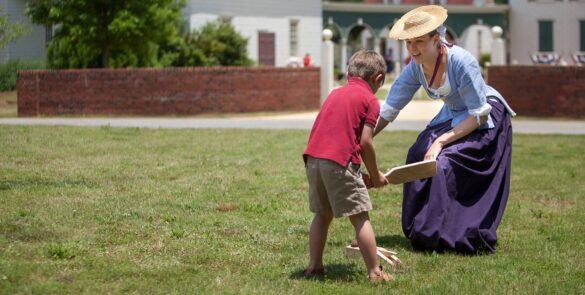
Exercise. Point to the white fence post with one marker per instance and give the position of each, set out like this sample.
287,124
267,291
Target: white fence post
343,64
498,56
326,64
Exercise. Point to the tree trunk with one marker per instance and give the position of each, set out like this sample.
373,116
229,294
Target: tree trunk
106,57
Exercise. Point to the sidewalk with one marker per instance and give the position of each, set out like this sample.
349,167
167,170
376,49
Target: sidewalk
414,111
414,117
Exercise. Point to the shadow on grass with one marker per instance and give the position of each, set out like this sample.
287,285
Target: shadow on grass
390,242
333,272
394,241
6,185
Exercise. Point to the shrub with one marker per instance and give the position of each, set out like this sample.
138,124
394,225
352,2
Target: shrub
8,72
215,44
484,58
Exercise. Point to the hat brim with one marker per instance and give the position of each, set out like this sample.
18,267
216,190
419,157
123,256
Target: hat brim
437,14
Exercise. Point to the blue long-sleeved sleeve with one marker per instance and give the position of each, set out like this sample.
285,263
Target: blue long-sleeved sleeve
400,93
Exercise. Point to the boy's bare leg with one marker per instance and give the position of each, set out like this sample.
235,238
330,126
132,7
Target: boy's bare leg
366,240
317,239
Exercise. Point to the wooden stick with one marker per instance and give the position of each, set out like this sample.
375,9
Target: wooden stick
384,254
388,260
395,259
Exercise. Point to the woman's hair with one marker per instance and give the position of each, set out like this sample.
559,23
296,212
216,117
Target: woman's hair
366,64
432,34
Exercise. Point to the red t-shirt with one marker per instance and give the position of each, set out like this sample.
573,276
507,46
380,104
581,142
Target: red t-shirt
338,128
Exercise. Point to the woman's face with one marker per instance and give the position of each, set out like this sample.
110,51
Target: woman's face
423,49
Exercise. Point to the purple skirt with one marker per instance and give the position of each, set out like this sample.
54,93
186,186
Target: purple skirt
460,208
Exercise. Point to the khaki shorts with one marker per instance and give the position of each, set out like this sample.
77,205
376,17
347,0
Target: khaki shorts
337,190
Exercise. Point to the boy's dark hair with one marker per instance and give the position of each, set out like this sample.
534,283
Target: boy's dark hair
366,64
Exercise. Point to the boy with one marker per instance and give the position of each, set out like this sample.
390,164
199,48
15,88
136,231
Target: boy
340,138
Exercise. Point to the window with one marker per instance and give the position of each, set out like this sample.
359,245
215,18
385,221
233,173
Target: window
294,37
48,35
545,35
225,19
582,25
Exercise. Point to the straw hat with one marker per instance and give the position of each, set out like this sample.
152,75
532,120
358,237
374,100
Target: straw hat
419,21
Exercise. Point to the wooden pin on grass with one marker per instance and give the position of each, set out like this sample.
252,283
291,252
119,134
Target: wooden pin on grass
352,251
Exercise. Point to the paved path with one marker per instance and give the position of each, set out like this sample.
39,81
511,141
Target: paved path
414,117
242,123
519,126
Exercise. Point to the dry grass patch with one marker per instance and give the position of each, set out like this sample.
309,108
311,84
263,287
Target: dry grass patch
8,104
226,207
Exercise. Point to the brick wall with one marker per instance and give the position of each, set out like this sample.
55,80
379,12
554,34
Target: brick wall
415,2
460,2
541,91
173,91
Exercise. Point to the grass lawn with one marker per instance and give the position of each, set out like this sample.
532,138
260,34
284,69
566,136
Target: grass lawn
114,210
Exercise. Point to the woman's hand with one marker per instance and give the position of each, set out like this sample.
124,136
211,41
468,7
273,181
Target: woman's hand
434,151
460,130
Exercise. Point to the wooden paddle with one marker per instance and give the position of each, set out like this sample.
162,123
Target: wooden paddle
412,172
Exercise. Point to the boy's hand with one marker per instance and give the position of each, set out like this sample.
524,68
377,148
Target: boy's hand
367,180
380,180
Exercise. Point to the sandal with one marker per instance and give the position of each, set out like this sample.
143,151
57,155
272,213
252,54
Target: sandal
317,272
381,277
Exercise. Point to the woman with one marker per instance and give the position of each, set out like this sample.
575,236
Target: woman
461,207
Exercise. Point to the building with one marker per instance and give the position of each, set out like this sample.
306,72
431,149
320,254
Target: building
31,46
366,25
556,26
276,30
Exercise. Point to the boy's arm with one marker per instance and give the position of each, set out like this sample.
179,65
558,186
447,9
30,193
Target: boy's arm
382,123
368,154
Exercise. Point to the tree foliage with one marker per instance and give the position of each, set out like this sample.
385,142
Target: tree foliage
108,33
133,33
